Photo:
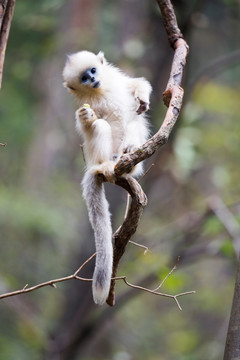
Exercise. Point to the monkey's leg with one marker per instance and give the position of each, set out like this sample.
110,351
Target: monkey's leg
98,142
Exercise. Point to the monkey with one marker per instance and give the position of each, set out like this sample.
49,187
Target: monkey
111,119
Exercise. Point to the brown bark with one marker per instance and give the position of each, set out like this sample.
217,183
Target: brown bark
6,14
172,97
170,21
129,226
232,347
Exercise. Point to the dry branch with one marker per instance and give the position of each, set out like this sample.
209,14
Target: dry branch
154,292
172,97
129,226
6,14
75,276
169,21
51,283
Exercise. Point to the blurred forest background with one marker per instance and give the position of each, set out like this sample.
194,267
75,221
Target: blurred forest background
193,189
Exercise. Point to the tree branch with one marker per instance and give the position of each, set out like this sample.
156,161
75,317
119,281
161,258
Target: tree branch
172,97
75,276
52,283
232,346
129,226
169,21
154,292
6,14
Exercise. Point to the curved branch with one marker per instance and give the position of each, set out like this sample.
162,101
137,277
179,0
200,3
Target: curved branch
169,21
129,226
172,97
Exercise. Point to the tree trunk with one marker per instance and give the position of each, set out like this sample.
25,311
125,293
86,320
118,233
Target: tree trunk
232,347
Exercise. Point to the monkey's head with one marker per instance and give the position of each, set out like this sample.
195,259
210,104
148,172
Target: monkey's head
82,73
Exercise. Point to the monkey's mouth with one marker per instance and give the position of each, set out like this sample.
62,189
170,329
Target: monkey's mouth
96,84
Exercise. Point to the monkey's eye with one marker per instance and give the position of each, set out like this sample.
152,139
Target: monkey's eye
84,78
93,70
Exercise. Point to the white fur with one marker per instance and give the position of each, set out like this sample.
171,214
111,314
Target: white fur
109,127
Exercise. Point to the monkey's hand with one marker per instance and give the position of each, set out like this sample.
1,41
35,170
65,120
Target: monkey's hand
86,116
143,106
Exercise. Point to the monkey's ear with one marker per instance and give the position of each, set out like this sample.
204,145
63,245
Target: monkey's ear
101,57
67,86
68,59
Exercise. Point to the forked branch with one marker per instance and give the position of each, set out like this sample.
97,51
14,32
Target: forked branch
75,276
173,98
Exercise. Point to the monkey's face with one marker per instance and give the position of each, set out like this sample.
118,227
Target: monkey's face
83,73
90,78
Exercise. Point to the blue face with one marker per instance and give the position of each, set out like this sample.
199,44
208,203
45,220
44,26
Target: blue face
89,77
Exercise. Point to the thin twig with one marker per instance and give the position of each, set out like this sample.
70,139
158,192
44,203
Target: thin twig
166,277
51,283
75,276
155,292
127,206
146,172
141,246
3,144
85,263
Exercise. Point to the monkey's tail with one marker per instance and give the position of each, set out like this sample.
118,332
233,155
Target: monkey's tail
100,218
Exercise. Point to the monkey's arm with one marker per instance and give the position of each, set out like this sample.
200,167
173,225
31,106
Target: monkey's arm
141,89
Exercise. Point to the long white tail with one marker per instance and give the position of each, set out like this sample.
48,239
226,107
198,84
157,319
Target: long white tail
100,218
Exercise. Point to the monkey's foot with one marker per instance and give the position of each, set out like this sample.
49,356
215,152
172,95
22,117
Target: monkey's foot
129,148
86,115
107,169
143,106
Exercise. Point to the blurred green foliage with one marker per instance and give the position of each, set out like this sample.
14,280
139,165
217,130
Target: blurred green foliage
44,229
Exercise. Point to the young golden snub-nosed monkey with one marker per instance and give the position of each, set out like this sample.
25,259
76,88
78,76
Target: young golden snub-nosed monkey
111,121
